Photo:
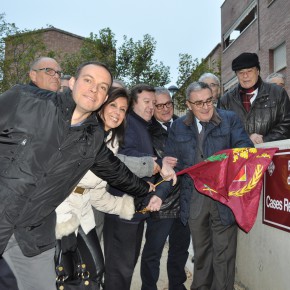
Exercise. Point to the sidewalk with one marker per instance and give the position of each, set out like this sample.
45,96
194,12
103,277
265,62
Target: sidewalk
163,281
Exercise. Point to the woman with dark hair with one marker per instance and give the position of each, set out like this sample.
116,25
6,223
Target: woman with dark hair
75,226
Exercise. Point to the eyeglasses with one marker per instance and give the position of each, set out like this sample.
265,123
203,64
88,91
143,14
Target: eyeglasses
162,106
50,71
213,85
199,104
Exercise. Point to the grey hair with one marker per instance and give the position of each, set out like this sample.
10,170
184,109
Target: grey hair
209,75
275,75
195,87
38,60
162,91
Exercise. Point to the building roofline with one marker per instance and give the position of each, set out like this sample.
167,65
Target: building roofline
212,51
51,28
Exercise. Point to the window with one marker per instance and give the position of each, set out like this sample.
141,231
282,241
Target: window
246,19
279,57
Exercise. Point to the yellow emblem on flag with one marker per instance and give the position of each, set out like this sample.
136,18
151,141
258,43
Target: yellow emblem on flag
243,153
252,183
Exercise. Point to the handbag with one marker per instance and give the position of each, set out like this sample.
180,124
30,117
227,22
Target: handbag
79,279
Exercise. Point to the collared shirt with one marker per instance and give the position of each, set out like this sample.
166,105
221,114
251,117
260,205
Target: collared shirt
255,93
199,127
161,123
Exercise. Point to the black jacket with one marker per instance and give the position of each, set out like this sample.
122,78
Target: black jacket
170,207
137,143
269,114
42,159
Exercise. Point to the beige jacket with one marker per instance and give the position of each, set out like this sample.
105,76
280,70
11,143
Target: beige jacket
76,210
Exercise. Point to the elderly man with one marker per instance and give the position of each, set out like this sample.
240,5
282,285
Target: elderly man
264,108
215,85
276,78
166,222
45,73
204,131
47,146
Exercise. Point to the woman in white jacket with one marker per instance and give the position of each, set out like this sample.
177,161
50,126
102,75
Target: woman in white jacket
75,218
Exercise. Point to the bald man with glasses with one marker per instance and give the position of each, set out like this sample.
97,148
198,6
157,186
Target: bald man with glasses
45,73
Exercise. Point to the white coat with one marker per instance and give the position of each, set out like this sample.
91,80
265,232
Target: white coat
76,210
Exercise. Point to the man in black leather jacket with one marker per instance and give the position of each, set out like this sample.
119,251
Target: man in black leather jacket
164,223
46,146
264,108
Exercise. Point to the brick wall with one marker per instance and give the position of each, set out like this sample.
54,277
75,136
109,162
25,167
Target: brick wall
269,30
61,42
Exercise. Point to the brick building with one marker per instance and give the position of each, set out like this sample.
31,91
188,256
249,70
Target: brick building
55,40
256,26
213,59
61,41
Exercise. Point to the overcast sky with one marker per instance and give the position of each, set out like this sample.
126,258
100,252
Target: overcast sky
178,26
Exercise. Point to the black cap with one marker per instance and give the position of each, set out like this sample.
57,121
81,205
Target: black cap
246,60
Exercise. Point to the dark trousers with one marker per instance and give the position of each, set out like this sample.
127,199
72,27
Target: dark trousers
179,239
7,279
122,244
214,247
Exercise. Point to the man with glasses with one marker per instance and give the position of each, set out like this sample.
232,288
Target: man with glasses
264,108
204,131
45,73
215,85
164,223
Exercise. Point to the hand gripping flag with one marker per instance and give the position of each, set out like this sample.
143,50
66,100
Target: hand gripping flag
234,178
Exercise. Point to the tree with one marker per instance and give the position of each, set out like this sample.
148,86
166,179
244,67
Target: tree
132,62
18,48
135,63
96,47
189,71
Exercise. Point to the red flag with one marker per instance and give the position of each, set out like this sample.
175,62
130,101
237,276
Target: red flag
234,178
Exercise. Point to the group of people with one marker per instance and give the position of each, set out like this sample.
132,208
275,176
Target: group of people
70,154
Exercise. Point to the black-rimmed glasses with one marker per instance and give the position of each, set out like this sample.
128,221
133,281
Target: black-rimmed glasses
213,85
162,106
50,71
199,104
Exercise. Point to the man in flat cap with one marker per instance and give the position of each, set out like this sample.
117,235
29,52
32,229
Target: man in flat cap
263,107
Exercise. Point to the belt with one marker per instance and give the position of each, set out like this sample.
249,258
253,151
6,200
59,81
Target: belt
79,190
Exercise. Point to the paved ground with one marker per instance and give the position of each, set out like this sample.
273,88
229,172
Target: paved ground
163,281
